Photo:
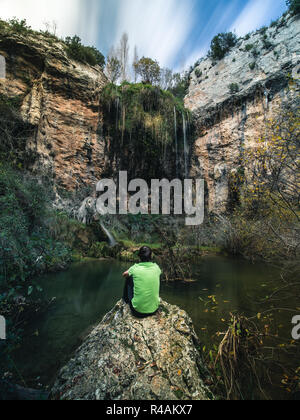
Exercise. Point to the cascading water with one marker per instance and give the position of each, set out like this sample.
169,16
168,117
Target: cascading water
112,241
176,141
117,111
186,149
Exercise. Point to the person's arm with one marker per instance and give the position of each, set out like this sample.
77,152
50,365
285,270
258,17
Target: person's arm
126,274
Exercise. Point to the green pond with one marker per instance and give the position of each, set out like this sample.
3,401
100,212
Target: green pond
89,289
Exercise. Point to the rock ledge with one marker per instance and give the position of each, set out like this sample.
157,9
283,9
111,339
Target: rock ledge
125,358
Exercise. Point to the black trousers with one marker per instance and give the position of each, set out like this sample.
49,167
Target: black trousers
128,295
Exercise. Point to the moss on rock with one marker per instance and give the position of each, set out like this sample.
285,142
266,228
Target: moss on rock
140,120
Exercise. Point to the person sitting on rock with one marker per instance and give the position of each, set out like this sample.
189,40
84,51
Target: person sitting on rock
142,286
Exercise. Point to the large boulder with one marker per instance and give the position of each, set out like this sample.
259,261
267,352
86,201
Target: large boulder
125,358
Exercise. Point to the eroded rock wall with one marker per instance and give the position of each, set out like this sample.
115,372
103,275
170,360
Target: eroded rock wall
59,97
233,99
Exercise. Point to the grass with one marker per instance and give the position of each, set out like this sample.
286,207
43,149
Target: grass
131,244
211,249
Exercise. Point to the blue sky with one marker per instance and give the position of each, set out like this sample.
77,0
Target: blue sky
175,32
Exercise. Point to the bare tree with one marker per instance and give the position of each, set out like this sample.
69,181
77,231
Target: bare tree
166,78
51,27
135,61
113,66
123,56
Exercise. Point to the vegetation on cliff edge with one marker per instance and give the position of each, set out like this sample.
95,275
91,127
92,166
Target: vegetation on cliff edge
144,127
73,45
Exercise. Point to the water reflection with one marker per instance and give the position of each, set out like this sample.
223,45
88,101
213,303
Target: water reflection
86,292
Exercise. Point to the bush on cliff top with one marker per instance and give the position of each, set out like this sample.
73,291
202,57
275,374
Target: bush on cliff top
140,121
294,6
79,52
75,49
19,26
221,45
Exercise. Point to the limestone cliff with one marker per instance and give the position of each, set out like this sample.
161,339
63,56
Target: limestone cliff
59,99
232,99
80,128
125,358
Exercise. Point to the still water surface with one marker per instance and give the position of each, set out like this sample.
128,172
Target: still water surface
88,290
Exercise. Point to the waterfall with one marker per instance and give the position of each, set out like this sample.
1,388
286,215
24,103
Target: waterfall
186,149
112,241
117,112
176,141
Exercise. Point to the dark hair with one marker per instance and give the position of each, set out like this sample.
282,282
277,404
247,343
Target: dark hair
145,254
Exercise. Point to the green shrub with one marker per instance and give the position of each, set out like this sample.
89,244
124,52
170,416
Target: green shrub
249,47
294,6
255,53
3,25
8,104
234,88
129,256
19,26
198,73
14,132
252,66
221,45
26,248
139,119
79,52
263,30
274,23
267,44
181,85
149,70
100,250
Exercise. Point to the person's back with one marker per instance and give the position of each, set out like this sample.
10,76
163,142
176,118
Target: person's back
146,280
143,285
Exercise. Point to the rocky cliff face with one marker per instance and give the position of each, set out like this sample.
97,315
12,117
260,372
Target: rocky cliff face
59,98
125,358
232,100
77,131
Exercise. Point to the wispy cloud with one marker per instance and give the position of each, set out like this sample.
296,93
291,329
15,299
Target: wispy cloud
253,16
71,16
160,28
174,32
216,22
65,13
